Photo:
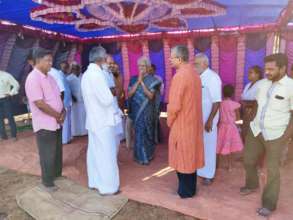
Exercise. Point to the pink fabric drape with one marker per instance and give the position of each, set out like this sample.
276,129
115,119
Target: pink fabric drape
134,53
7,52
289,50
215,53
145,49
168,74
240,67
77,57
228,59
270,43
126,78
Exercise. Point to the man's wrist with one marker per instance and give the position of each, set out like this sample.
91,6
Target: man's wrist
210,119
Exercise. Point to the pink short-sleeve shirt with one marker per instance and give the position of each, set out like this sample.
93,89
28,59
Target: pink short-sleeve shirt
39,86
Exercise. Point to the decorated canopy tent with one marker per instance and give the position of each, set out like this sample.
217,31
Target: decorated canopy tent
234,34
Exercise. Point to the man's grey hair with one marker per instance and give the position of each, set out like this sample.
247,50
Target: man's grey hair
181,51
144,60
97,54
203,57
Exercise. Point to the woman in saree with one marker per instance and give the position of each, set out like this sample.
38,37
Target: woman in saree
142,92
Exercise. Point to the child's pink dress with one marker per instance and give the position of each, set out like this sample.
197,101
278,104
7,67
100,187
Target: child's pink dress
229,140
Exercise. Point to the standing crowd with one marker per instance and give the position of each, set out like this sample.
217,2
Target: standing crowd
202,116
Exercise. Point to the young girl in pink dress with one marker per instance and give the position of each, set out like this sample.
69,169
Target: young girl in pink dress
229,140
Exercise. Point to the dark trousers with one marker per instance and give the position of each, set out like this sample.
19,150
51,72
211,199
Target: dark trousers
187,184
254,148
6,112
50,152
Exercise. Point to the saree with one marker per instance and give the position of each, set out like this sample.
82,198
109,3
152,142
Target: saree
144,112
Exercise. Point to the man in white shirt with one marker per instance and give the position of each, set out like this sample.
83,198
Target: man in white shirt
59,80
78,110
270,130
102,168
66,129
109,67
66,96
8,88
211,99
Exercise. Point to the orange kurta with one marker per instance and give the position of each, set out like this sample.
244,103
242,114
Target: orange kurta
186,151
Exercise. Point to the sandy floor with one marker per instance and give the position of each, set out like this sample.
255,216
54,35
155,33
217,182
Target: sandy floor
156,184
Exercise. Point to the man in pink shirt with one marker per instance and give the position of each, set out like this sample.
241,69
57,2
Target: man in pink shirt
47,116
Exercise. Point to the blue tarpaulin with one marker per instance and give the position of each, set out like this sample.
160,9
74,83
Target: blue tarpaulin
238,13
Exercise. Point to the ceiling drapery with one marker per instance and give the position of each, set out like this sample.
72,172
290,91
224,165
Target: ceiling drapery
130,16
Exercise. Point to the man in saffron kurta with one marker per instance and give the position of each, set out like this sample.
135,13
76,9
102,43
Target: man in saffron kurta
186,152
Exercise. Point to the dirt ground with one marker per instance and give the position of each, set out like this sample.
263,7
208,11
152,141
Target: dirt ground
12,182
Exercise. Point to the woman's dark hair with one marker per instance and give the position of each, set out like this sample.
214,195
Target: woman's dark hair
258,70
228,91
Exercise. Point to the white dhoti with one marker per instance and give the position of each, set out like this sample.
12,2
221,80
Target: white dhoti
211,93
210,147
66,129
102,168
119,131
78,119
119,124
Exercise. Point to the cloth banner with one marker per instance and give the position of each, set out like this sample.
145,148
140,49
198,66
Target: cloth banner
61,54
289,51
255,52
4,36
85,56
19,55
114,49
47,44
134,53
228,59
157,58
203,45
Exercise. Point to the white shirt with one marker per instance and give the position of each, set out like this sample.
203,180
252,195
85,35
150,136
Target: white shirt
211,93
58,78
109,77
275,101
98,99
249,93
75,86
8,85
